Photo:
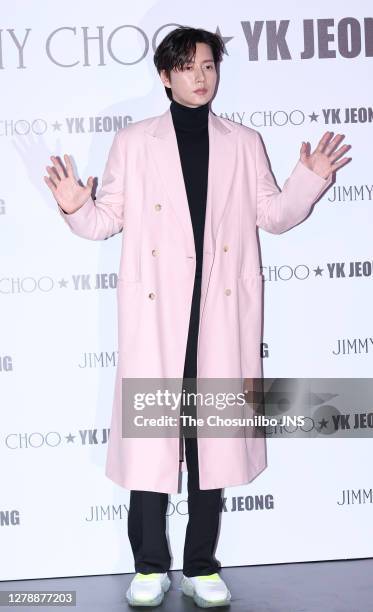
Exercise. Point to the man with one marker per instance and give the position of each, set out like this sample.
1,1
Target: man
188,189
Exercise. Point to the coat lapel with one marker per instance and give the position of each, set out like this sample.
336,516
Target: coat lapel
222,157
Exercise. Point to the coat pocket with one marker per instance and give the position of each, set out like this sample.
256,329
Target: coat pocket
126,282
251,276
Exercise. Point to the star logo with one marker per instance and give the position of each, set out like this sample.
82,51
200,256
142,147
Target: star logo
313,116
225,39
70,438
323,423
56,126
62,283
318,271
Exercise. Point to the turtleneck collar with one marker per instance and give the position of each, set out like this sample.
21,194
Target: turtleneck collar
186,117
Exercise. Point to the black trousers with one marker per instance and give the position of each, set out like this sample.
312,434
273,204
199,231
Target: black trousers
147,510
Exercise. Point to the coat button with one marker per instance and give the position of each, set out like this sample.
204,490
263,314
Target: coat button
151,296
227,292
154,252
225,248
158,207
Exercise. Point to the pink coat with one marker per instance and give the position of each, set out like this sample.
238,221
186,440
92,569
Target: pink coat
143,194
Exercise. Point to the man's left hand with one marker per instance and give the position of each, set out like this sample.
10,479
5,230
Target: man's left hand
323,160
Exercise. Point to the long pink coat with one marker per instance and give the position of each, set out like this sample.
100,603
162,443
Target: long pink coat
143,194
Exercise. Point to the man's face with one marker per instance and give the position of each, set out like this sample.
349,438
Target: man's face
195,83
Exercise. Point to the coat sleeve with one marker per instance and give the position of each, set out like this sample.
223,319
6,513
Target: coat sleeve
103,217
278,211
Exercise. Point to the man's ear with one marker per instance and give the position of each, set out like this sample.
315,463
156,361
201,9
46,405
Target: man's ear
165,78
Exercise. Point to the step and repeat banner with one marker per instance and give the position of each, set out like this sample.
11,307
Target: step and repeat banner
70,77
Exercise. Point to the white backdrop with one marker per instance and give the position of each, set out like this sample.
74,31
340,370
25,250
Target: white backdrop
67,75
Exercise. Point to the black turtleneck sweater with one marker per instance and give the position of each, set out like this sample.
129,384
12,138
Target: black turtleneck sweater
191,127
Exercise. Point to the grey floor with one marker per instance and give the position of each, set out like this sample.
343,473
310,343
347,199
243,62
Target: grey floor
325,586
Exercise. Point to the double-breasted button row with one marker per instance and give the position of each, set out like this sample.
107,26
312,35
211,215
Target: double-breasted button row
152,295
154,253
157,207
225,249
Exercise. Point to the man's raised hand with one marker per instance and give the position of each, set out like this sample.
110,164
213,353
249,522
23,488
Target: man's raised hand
323,160
67,191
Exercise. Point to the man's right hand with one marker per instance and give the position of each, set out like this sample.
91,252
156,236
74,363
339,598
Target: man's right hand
69,194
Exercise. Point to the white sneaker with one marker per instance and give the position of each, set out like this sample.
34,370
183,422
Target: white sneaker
207,591
147,589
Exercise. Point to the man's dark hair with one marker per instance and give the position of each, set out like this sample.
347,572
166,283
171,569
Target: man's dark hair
179,47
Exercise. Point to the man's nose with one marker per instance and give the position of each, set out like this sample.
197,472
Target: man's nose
199,75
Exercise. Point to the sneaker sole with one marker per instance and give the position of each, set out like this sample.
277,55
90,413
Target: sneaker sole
165,584
189,590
